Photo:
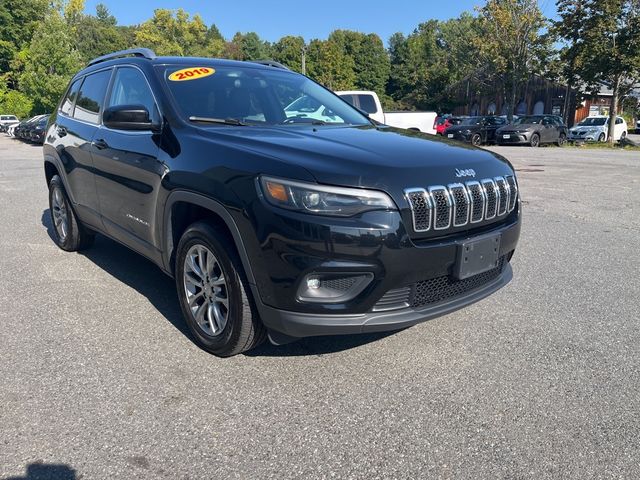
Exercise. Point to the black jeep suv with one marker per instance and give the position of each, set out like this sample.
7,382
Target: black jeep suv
274,222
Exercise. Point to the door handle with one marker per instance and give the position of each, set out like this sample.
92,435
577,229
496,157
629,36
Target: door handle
100,144
61,131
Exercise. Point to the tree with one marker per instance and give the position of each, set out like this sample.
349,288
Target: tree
370,59
603,46
98,35
330,66
171,32
16,103
288,51
511,44
52,61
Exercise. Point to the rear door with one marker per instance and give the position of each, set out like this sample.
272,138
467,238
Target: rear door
72,132
549,132
128,171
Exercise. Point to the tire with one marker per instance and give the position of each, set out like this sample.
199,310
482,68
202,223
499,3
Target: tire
562,139
476,139
601,137
623,136
535,140
210,277
68,233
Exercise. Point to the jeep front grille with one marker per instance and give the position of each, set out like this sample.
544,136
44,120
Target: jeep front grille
440,207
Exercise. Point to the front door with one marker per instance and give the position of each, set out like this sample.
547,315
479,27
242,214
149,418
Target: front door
128,171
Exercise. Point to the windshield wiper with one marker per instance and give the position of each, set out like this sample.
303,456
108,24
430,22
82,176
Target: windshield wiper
223,121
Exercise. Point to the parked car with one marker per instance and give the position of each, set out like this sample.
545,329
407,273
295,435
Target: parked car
6,121
596,129
476,130
38,130
533,130
274,226
23,129
369,103
26,133
442,123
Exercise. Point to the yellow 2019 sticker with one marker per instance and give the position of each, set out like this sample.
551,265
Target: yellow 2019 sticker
191,73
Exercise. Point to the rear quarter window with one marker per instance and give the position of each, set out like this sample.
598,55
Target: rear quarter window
367,103
91,97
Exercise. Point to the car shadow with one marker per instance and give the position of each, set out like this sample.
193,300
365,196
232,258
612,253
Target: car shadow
47,471
146,278
135,271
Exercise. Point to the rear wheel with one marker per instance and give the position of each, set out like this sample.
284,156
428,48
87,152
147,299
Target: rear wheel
213,293
535,140
476,139
623,136
68,233
562,139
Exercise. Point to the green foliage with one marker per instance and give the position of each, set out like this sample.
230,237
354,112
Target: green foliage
98,35
288,51
328,64
511,44
173,33
52,61
15,103
371,61
601,39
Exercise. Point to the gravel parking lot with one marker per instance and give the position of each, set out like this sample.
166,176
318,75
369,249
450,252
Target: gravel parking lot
99,378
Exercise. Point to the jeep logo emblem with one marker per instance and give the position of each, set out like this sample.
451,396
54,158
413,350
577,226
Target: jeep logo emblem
469,172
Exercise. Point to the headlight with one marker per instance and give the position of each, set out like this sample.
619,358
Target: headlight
321,199
593,130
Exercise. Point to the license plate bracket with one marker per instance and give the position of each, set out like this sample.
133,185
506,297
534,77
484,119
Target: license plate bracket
506,136
449,135
477,255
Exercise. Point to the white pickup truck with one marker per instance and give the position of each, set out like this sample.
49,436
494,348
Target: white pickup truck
370,103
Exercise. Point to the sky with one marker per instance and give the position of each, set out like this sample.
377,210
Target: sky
273,19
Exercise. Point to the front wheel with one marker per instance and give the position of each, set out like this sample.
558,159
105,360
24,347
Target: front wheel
535,140
213,293
562,139
476,139
601,137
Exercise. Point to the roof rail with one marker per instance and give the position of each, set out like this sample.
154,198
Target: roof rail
270,63
136,52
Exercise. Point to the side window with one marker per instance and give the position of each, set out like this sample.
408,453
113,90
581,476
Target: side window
367,103
130,87
349,98
91,97
66,108
618,121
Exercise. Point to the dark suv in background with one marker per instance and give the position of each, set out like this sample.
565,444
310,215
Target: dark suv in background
274,224
476,130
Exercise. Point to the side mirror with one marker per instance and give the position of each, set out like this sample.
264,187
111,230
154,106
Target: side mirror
128,117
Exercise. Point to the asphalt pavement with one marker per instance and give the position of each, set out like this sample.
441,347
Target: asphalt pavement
99,378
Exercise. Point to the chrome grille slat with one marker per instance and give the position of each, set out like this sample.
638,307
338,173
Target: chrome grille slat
441,207
503,195
460,199
491,200
513,190
421,208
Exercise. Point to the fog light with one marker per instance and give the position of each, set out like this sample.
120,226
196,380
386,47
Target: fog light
332,287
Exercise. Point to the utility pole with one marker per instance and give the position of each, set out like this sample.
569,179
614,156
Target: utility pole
304,59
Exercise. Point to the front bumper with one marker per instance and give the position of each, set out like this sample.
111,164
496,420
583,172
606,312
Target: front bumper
460,136
291,246
587,137
513,138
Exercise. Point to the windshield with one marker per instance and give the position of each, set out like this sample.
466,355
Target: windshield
593,121
471,121
256,96
529,120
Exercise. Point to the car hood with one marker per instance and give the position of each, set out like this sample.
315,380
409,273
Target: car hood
522,126
462,128
383,158
581,128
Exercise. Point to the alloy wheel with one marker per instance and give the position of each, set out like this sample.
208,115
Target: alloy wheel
206,290
60,214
